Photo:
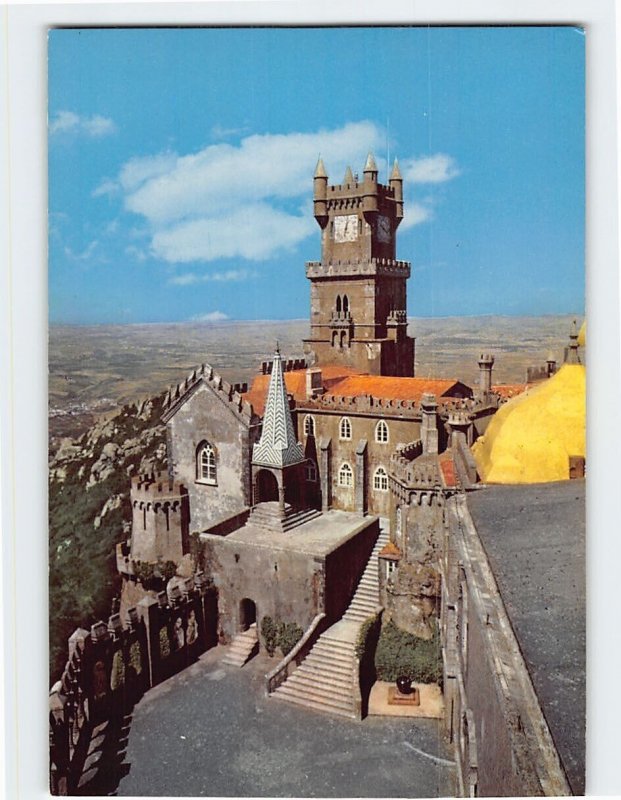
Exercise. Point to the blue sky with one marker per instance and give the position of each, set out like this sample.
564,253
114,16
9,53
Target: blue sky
181,162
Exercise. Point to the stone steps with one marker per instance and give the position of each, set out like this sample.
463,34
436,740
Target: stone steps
267,516
242,648
324,681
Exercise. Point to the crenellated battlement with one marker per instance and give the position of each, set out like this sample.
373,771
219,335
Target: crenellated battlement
410,468
230,392
288,365
358,267
156,486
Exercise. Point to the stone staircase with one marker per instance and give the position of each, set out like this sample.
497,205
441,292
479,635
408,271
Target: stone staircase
242,648
325,679
267,516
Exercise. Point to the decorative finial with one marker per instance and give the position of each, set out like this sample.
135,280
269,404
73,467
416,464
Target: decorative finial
277,348
349,177
396,172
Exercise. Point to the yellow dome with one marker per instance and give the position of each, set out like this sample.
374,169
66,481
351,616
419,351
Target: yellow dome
582,334
531,437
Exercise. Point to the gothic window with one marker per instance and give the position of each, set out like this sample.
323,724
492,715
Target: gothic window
335,338
206,464
380,480
309,425
345,304
311,471
345,429
381,432
338,304
346,476
343,338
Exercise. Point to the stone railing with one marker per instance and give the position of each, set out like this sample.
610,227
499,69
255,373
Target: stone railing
292,660
225,526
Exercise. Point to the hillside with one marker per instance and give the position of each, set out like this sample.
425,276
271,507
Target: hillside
89,513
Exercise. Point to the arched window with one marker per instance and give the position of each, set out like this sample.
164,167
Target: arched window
380,480
309,425
381,432
346,476
206,464
343,338
345,429
335,338
311,471
338,304
345,304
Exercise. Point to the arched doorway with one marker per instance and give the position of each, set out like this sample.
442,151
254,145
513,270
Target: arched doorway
267,487
247,614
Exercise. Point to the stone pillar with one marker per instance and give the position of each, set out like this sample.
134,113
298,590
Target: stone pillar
486,362
281,496
147,610
429,426
360,477
325,474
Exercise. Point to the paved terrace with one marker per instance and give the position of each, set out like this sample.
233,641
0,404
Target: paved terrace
534,537
210,731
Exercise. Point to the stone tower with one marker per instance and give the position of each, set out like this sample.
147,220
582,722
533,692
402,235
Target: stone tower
358,289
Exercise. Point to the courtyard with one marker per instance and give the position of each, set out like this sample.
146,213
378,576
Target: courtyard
211,731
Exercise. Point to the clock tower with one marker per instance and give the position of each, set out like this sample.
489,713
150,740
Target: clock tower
358,289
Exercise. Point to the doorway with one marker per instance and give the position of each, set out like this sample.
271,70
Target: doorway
247,614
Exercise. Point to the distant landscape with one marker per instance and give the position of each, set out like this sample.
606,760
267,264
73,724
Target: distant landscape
96,369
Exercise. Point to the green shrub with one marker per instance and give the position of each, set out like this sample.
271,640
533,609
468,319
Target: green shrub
289,634
269,632
401,653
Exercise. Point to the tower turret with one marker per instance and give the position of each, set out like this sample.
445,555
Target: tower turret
396,184
369,200
320,194
486,362
348,179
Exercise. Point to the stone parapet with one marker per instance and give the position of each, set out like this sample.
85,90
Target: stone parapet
358,268
230,392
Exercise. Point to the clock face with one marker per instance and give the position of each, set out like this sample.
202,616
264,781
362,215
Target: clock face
383,229
346,228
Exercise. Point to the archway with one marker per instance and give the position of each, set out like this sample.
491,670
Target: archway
247,613
267,486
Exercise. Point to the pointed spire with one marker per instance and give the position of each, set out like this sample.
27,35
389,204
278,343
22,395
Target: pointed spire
278,446
370,166
349,177
396,172
320,170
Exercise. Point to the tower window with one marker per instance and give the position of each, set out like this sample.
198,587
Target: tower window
345,429
380,480
391,568
381,432
338,304
345,304
309,425
311,471
206,464
346,476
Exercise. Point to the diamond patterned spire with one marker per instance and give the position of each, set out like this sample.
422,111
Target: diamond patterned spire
277,446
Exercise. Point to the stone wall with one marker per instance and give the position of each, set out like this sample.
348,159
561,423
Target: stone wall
208,417
344,567
502,742
377,454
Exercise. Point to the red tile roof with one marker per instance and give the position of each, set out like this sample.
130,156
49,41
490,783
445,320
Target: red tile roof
506,390
390,550
295,381
397,388
449,473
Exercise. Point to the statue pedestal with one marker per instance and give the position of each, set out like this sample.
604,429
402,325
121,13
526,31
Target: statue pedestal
396,698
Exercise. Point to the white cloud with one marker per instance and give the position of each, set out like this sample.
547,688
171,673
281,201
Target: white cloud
247,200
230,275
212,316
95,126
438,168
414,214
